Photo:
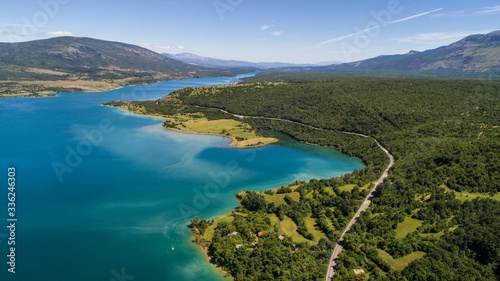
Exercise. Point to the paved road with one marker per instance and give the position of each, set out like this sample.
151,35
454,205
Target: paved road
340,244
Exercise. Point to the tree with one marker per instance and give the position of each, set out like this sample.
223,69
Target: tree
253,201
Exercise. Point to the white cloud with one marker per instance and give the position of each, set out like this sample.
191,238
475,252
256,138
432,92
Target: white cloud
439,37
451,14
416,16
59,33
265,27
277,33
162,48
488,10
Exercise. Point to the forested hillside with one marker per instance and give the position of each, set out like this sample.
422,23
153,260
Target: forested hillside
424,223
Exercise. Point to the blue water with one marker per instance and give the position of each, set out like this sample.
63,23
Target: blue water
102,194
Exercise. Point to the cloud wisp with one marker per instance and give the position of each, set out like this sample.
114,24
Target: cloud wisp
265,27
376,27
348,35
489,10
416,16
485,11
163,48
60,33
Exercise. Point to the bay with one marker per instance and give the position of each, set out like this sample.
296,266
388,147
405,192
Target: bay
102,194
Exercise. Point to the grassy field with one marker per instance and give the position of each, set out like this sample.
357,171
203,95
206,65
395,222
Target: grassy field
469,195
439,234
310,222
209,232
407,226
278,199
347,187
242,134
401,263
288,228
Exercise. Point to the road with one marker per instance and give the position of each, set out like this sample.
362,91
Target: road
268,118
340,244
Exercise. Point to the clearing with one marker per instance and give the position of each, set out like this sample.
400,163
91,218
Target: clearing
400,263
406,227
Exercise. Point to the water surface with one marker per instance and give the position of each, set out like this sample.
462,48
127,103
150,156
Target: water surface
105,195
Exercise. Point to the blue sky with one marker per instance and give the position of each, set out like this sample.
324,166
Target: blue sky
255,30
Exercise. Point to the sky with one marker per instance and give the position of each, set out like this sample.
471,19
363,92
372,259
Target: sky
295,31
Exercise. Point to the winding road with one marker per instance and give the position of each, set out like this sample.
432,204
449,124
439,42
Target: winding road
340,244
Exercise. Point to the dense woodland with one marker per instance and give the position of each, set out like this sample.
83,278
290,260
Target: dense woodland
445,136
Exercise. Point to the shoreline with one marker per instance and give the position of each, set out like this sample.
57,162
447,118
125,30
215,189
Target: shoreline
49,95
201,248
94,88
233,139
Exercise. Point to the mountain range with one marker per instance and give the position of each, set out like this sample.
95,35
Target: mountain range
475,55
88,57
86,64
220,63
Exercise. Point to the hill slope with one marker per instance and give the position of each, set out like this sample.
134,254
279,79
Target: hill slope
76,59
86,55
474,55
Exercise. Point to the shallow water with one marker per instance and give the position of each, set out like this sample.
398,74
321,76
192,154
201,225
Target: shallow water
104,195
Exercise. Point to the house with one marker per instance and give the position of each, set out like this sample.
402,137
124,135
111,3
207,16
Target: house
239,246
232,234
260,233
358,271
281,237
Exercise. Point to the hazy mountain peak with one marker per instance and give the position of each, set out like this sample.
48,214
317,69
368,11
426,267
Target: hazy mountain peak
214,62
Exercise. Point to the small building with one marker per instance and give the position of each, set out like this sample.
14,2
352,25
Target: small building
253,244
260,233
232,234
239,246
358,271
281,237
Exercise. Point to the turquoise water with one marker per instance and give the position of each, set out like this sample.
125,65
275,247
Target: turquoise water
105,195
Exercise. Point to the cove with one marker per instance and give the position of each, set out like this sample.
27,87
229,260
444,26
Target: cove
106,202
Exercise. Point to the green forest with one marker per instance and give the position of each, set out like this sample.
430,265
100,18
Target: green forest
422,224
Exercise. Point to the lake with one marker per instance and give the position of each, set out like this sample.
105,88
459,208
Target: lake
102,194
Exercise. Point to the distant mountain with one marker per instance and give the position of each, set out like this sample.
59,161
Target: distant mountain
474,55
220,63
87,57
